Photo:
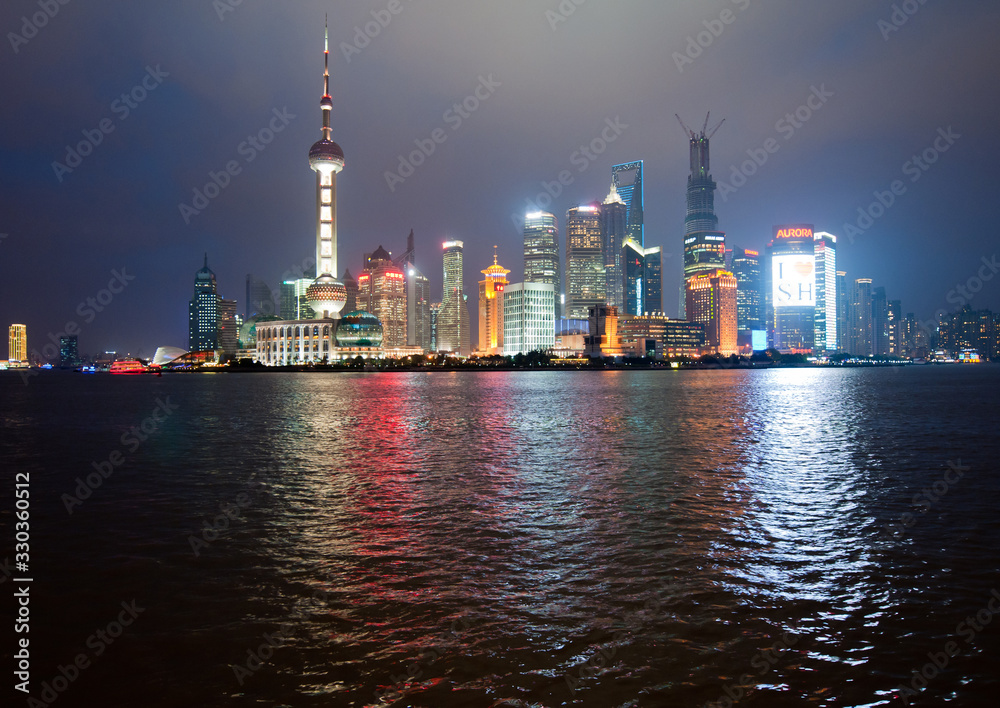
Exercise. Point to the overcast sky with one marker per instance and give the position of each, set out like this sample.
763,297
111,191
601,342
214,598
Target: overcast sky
552,78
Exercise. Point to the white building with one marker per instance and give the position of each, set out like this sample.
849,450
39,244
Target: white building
529,318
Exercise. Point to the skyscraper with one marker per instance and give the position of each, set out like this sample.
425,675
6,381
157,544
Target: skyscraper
228,326
749,300
418,297
825,318
711,301
453,320
541,253
627,181
614,233
585,277
880,322
528,318
895,326
326,295
642,270
491,290
351,287
382,292
260,300
790,288
843,312
862,328
652,269
17,343
704,244
69,351
203,312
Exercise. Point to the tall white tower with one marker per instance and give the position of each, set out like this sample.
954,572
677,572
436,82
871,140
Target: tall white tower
326,295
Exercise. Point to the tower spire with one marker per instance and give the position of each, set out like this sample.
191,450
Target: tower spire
327,102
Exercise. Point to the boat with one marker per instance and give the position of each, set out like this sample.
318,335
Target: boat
129,366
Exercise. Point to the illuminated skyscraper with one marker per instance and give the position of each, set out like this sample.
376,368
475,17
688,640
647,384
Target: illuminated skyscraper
749,305
585,278
491,290
614,234
351,286
418,297
327,295
228,326
880,322
627,181
642,275
203,312
843,312
17,343
528,320
382,292
862,328
453,332
69,351
711,301
790,288
652,291
541,253
895,325
825,319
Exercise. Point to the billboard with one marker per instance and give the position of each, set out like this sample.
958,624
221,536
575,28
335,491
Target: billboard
793,280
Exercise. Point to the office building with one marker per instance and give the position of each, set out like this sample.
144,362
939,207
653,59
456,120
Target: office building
825,317
627,182
843,312
260,299
585,277
418,298
672,338
711,302
880,322
229,326
528,318
614,234
491,290
453,333
382,292
351,288
652,290
295,301
17,343
642,274
541,253
894,325
749,299
790,288
862,339
435,312
69,352
203,312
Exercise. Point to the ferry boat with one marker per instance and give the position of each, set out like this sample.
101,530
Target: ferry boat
129,366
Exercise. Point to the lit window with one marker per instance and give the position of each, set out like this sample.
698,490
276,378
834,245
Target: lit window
327,196
325,231
326,213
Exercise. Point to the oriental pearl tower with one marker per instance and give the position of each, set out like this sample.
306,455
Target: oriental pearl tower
326,295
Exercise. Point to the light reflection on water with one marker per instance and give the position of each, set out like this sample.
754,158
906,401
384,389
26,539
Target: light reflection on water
492,533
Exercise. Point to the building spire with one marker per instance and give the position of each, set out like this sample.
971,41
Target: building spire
494,254
206,259
327,102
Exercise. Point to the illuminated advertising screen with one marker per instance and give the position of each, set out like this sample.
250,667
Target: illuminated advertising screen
758,339
793,280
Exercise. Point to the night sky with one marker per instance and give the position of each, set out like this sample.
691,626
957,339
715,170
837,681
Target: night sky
552,80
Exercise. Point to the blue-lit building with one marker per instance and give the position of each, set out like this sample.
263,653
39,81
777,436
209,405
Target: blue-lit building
627,181
203,312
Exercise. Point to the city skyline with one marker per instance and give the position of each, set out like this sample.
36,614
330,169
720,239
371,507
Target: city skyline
842,159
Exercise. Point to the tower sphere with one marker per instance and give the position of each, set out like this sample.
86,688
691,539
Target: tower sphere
327,296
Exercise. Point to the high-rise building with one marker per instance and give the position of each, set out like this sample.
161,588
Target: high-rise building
627,181
541,253
294,300
453,331
642,270
880,321
528,318
418,298
382,292
260,300
228,326
585,278
895,326
69,351
17,343
843,312
435,313
749,300
704,244
652,279
203,312
327,295
825,318
711,301
790,288
351,287
614,234
908,335
862,340
491,290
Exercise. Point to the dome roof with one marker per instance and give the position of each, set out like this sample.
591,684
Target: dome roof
359,329
326,150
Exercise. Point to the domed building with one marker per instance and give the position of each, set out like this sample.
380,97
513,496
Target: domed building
359,329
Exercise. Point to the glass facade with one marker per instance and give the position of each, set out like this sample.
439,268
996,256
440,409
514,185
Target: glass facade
528,318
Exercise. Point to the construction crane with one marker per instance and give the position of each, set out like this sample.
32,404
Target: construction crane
705,131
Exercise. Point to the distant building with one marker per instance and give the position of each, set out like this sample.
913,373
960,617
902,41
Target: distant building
260,299
541,253
528,318
614,233
229,327
642,287
843,312
895,327
203,312
418,309
704,245
453,330
585,277
604,338
672,338
825,316
295,301
880,322
69,352
382,292
749,298
862,339
351,286
491,290
627,181
711,302
435,312
17,343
